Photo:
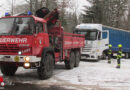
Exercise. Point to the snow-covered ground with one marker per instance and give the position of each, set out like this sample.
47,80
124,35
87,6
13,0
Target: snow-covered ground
89,75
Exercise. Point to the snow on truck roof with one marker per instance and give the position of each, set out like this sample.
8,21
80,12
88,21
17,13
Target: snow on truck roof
96,26
116,28
89,26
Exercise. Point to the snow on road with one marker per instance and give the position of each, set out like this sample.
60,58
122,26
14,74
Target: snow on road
100,74
89,75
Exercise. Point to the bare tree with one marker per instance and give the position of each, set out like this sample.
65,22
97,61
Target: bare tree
11,3
66,17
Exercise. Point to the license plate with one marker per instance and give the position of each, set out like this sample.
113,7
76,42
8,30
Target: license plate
16,58
83,57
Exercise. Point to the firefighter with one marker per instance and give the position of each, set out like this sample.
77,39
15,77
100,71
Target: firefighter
109,53
119,55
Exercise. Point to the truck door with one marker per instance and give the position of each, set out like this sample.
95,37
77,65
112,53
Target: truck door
105,40
41,38
99,44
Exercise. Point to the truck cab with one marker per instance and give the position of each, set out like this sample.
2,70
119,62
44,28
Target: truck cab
96,40
22,35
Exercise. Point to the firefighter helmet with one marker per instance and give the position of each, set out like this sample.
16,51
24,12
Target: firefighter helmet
119,45
110,45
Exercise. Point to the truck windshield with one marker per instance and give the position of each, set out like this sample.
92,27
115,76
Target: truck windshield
89,34
16,26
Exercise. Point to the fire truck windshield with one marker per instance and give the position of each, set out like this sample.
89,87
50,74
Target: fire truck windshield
16,26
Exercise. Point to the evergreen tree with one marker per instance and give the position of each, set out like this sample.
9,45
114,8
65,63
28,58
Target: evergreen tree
107,12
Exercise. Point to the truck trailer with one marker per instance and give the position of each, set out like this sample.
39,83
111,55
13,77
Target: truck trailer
97,39
118,36
37,42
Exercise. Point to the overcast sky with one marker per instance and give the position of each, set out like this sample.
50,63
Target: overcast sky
5,5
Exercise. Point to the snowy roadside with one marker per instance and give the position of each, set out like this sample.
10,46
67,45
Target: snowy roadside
100,74
89,75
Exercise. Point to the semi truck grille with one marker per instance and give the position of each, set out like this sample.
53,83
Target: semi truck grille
9,48
86,49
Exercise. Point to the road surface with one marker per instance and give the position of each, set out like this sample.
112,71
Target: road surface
88,76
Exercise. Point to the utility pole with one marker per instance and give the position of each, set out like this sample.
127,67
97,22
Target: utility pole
12,7
76,7
47,3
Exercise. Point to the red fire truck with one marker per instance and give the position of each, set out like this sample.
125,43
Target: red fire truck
37,42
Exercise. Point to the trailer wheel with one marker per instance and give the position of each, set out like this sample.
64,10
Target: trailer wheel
46,68
8,70
77,58
69,64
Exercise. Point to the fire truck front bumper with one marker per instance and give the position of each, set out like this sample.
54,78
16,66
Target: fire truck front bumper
24,61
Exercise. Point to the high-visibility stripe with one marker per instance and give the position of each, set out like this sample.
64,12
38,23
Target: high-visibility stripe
109,53
118,64
119,56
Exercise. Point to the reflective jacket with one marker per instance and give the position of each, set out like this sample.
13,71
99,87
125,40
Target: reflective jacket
119,54
109,52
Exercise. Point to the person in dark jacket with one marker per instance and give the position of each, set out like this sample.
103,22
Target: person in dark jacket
119,55
109,53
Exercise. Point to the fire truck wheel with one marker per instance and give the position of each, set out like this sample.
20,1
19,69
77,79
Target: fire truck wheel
8,70
69,64
46,68
77,58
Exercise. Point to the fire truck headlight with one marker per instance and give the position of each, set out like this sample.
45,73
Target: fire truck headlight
2,84
26,59
19,53
26,65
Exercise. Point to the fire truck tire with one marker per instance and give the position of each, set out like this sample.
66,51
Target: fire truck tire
69,64
9,70
45,70
77,58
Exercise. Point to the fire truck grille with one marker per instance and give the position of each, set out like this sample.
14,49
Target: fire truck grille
11,48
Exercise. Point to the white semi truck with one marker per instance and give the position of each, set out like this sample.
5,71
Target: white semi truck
98,37
96,41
